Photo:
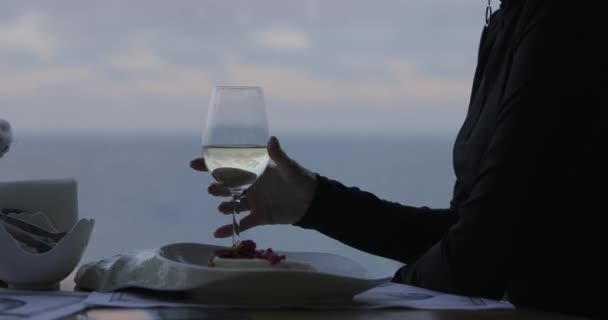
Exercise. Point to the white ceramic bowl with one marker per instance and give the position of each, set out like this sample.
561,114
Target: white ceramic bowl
24,270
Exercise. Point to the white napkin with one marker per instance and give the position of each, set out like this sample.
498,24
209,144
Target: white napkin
57,198
6,137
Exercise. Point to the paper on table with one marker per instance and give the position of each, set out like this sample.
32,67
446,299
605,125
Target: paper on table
390,296
48,305
404,296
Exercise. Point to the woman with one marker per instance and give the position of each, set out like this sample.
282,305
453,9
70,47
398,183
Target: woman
524,221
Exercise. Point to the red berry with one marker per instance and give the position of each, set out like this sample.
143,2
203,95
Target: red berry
247,249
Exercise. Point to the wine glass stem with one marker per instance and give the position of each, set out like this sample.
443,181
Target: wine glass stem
236,229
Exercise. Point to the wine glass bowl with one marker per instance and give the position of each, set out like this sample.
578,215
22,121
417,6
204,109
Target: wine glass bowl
236,167
234,140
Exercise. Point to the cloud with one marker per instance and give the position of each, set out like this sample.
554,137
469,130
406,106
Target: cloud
402,86
29,82
281,39
354,59
142,72
27,33
148,73
141,59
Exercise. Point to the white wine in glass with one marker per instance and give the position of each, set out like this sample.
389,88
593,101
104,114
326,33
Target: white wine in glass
234,140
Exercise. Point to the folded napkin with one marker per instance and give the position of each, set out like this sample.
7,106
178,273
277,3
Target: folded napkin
57,198
31,237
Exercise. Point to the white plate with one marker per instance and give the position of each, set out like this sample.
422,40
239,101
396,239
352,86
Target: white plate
183,267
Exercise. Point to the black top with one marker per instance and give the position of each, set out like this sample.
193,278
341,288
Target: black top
526,218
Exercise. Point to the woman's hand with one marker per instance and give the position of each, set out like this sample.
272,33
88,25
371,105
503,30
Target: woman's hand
281,195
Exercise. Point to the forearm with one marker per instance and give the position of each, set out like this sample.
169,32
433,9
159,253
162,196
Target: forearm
362,220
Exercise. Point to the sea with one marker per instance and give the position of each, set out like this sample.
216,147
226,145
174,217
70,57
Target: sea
142,193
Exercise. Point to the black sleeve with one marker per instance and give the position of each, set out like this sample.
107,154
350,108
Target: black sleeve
476,253
362,220
527,218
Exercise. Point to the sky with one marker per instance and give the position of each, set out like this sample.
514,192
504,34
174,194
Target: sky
326,66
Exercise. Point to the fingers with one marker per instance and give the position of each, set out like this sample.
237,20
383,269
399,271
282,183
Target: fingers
277,154
215,189
218,190
225,231
198,164
249,222
228,207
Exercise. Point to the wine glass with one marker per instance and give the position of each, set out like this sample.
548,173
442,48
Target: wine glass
234,140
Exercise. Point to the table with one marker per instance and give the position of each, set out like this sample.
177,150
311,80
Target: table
332,315
187,314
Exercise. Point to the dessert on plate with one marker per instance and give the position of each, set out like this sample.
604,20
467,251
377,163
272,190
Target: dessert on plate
244,255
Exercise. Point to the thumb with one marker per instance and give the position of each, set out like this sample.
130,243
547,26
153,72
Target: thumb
278,155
